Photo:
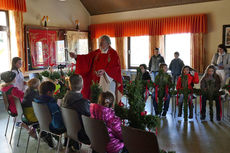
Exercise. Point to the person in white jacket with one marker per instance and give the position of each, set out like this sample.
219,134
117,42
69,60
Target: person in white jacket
221,60
20,83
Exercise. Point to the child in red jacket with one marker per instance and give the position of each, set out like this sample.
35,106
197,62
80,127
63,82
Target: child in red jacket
10,90
192,78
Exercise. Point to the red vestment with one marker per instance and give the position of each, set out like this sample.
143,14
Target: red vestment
88,65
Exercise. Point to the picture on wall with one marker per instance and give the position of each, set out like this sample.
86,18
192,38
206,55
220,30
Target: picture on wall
226,35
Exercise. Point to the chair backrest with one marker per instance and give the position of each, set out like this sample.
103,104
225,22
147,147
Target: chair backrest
137,141
97,133
18,106
5,99
43,115
72,122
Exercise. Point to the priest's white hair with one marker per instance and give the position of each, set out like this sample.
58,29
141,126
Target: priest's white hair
106,38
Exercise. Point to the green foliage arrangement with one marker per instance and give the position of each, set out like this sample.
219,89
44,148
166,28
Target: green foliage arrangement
136,115
96,90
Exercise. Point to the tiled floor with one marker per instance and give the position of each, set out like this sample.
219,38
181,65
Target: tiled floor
174,134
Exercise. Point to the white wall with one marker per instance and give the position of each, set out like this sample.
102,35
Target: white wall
61,14
218,15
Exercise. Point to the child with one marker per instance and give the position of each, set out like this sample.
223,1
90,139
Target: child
144,72
103,111
30,94
192,78
164,82
154,63
46,90
176,66
210,86
16,65
9,79
74,100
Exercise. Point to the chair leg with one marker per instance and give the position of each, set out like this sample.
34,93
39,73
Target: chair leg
12,130
39,139
67,146
7,124
27,144
59,142
19,135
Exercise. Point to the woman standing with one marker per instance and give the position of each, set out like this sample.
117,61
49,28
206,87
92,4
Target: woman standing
221,60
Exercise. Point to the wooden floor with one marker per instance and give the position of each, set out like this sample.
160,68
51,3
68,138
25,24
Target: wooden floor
174,134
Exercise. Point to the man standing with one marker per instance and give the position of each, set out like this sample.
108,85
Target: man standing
154,63
100,66
176,66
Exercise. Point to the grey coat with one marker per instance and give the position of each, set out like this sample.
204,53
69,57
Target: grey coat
226,62
176,66
155,61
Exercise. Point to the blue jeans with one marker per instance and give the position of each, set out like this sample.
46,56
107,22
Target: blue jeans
153,75
155,105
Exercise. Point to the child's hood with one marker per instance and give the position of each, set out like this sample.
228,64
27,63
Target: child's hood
6,88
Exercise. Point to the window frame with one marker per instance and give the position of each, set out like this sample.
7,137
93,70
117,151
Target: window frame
7,30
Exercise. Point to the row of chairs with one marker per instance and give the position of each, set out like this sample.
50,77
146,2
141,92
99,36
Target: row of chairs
135,140
14,116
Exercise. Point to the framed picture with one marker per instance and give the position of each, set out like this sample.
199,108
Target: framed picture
226,35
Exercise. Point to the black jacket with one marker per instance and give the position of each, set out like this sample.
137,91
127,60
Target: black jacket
29,96
76,101
146,76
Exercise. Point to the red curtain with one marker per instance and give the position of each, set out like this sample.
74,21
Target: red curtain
42,47
159,26
16,5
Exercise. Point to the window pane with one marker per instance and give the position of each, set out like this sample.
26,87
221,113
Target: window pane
82,46
113,42
39,58
180,43
2,18
60,51
139,50
4,52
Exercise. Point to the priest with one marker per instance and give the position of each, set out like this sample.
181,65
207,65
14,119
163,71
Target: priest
100,66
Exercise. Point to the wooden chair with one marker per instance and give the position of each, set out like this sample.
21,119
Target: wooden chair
138,141
97,133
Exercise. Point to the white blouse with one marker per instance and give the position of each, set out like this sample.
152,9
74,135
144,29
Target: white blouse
19,80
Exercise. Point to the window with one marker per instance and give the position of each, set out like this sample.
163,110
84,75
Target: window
83,46
60,52
180,43
4,42
138,51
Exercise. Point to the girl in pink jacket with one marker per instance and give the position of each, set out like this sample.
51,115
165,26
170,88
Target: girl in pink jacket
103,111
